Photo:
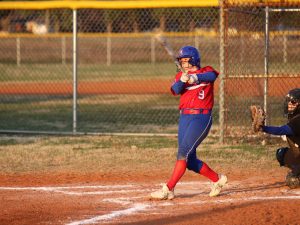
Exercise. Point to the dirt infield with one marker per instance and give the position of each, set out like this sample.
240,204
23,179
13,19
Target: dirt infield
235,87
251,197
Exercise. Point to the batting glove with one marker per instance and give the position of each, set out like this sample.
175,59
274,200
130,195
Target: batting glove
185,77
193,79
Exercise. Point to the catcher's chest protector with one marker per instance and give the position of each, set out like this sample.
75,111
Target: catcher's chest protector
294,148
292,157
294,123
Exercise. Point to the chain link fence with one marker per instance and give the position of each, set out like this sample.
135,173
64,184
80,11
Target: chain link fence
261,60
123,75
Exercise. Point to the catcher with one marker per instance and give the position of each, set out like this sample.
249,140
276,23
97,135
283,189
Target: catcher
286,156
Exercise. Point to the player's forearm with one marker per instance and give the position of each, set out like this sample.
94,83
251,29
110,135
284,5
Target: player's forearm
283,130
178,87
207,77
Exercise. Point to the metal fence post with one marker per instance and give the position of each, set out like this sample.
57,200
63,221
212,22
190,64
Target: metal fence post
74,70
108,50
63,50
222,71
152,46
266,60
18,52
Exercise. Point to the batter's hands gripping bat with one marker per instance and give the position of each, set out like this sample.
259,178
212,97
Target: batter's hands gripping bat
163,41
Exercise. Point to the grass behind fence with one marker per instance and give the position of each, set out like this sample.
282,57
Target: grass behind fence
107,113
116,72
156,113
99,72
115,113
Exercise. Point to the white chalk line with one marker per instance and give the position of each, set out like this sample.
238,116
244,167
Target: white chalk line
122,200
55,188
67,187
114,214
100,192
62,190
154,205
138,207
143,207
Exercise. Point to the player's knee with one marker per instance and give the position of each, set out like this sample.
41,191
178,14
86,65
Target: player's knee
190,166
280,153
194,165
181,156
182,153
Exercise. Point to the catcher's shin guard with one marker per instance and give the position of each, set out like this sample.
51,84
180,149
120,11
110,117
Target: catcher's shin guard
289,157
292,180
280,153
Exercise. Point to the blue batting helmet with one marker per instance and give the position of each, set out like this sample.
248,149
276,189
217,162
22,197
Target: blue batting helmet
192,53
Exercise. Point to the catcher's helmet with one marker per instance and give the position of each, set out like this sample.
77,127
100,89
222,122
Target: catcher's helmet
294,97
192,53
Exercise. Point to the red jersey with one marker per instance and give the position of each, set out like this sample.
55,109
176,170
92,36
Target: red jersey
197,96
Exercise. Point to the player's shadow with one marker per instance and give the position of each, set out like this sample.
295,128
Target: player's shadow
261,187
231,190
189,195
212,211
187,218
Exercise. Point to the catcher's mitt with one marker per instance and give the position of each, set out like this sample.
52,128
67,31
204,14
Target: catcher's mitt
258,117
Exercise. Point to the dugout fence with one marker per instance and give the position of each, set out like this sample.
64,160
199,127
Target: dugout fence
95,67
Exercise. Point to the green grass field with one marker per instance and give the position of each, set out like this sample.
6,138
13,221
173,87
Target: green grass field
102,72
107,113
114,113
122,71
25,154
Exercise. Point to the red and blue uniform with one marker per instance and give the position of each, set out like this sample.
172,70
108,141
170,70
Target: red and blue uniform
196,90
196,103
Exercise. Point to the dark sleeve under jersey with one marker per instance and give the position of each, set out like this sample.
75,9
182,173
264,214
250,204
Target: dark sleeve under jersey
283,130
210,76
294,124
177,87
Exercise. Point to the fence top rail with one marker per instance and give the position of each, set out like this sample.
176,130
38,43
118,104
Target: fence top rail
262,3
42,5
134,4
104,35
202,33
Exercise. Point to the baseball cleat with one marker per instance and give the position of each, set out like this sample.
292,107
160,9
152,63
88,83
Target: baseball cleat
163,194
218,185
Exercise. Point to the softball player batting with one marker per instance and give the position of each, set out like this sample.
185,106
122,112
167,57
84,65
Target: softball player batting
195,86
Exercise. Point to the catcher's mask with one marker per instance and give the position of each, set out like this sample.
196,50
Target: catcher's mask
293,97
192,53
